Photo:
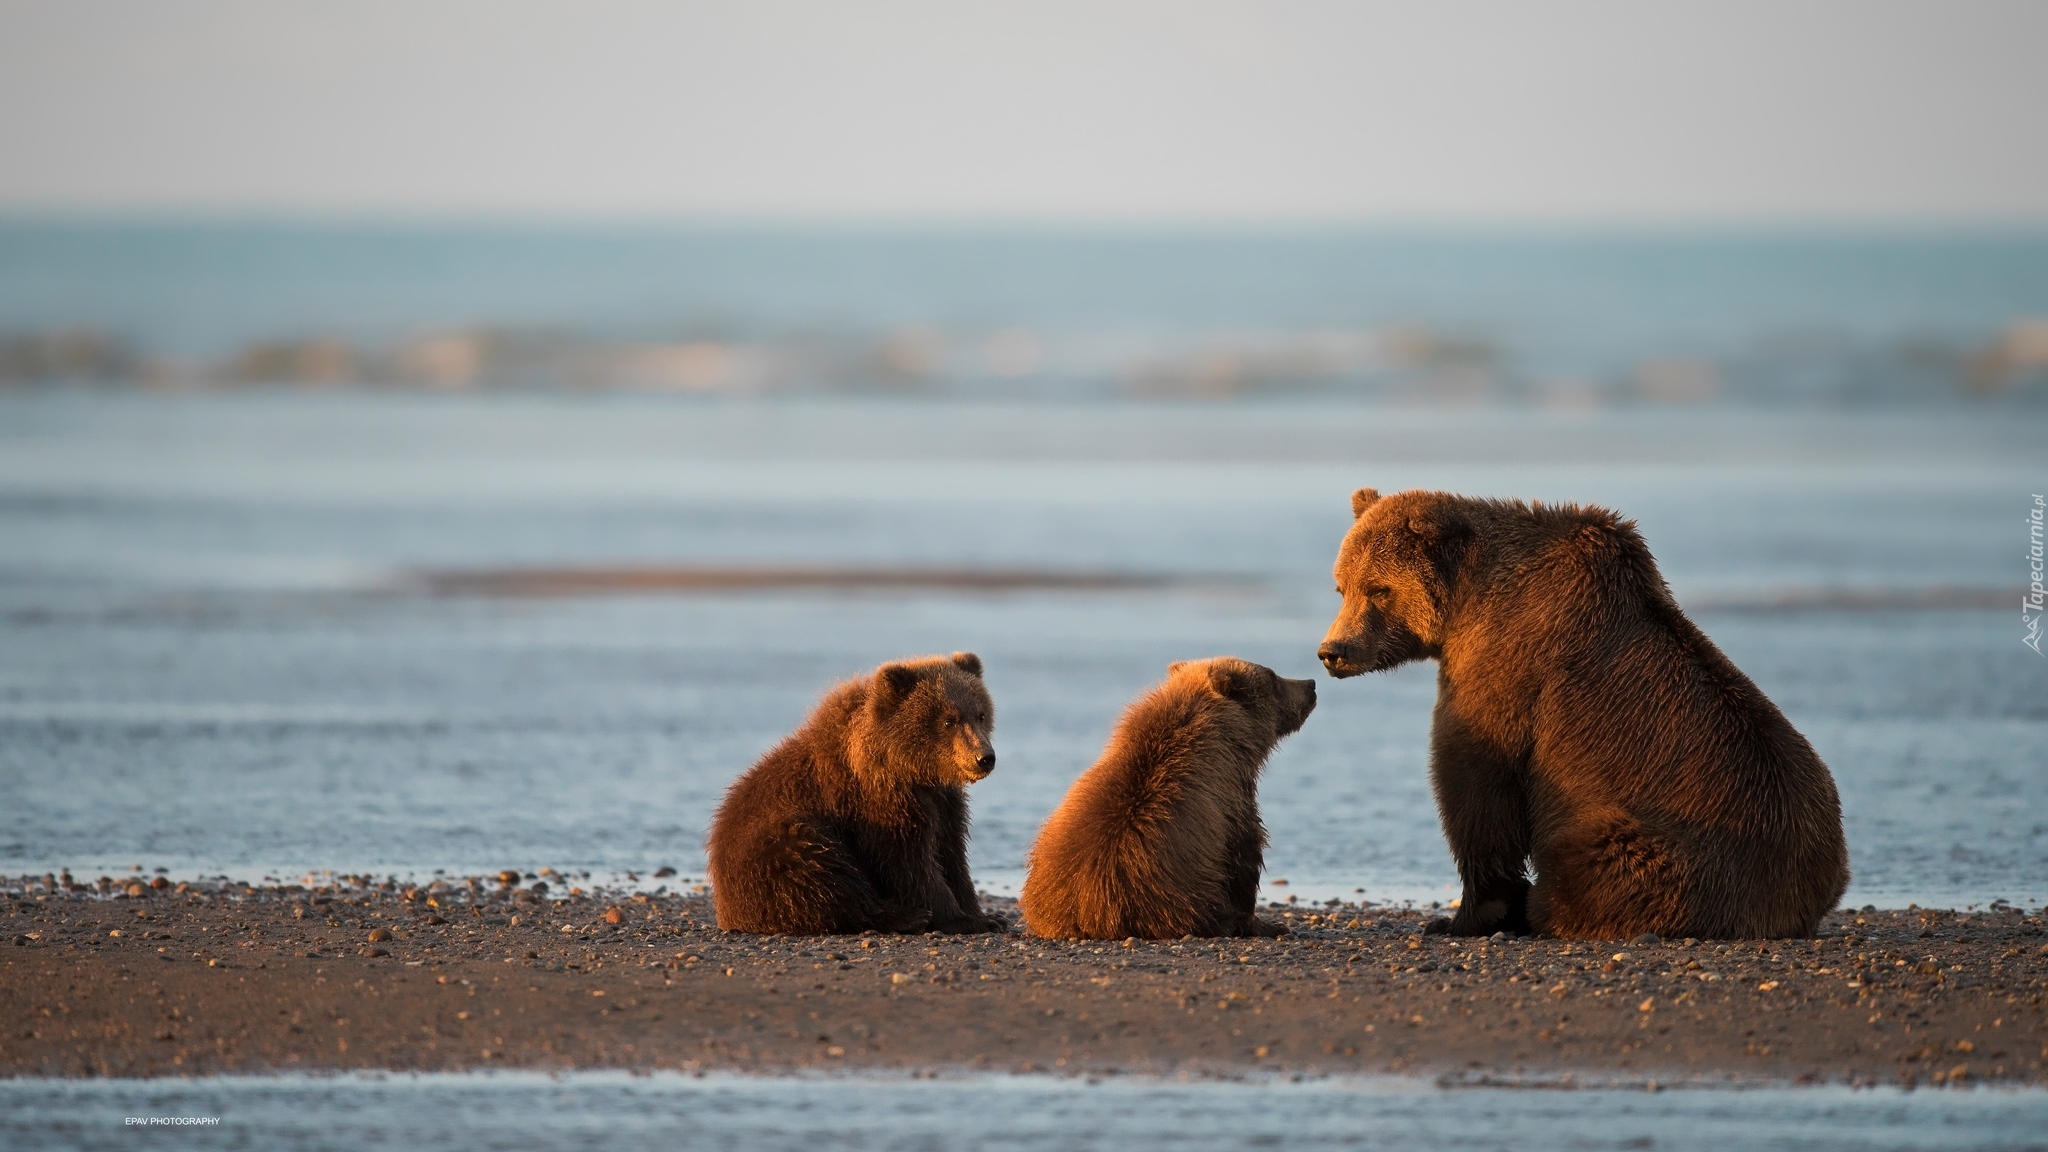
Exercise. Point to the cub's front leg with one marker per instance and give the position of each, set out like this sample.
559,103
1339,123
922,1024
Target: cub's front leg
950,855
1247,860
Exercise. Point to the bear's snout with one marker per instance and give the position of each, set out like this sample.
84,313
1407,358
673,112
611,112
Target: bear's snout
987,762
1338,659
1298,699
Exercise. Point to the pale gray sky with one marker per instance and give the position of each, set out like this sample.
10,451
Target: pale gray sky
1729,110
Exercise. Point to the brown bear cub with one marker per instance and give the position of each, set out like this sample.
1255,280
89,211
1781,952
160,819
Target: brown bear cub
857,822
1161,838
1584,725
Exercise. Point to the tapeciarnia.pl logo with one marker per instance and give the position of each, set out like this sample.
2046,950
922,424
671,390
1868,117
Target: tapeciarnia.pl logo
2036,599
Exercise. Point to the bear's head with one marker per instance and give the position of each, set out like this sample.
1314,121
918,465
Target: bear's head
929,721
1277,706
1395,572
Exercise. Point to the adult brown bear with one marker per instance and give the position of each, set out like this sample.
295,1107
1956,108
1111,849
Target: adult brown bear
857,822
1161,838
1584,725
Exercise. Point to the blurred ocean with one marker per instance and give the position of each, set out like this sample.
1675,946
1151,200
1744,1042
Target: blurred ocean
223,648
600,1110
1535,318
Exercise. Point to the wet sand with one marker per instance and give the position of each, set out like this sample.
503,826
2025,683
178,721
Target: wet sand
677,580
467,975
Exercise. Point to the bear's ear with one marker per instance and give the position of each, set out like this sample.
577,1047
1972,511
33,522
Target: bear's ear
1443,532
1233,680
1362,499
1176,666
967,662
895,681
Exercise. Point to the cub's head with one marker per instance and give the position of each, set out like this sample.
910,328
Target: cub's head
930,721
1394,572
1277,706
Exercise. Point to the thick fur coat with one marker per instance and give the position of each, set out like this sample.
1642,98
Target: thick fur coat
857,822
1162,837
1585,727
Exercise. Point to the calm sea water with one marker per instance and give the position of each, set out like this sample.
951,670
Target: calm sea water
209,661
1778,316
599,1110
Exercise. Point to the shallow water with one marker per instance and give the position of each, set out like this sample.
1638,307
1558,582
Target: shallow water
209,661
601,1110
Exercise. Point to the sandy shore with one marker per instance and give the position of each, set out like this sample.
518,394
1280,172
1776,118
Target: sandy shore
227,978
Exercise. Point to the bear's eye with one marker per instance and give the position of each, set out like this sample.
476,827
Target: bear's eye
1377,591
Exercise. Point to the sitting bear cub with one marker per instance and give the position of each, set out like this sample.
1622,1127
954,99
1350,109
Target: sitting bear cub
1161,838
1585,726
857,822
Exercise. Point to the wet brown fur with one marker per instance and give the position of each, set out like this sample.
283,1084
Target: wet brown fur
857,822
1161,838
1584,725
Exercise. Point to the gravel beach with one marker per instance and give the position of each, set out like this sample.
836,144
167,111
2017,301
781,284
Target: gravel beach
117,977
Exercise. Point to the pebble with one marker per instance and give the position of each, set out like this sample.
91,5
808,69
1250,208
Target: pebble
377,934
508,877
1647,939
613,915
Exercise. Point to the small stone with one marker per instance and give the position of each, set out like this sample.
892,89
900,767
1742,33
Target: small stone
894,977
1647,939
613,915
664,872
1498,937
136,888
377,952
159,883
379,934
1130,941
1620,957
508,877
597,991
1648,1005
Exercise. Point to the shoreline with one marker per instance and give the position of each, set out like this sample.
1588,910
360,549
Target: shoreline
475,975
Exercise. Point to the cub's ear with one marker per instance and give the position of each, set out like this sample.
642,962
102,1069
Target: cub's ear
967,662
1176,666
893,682
1362,499
1234,681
